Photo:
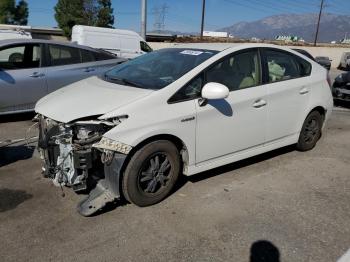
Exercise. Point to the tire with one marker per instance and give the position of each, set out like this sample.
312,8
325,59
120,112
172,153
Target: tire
310,132
146,180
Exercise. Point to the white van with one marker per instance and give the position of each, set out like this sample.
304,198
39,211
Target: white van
14,34
124,43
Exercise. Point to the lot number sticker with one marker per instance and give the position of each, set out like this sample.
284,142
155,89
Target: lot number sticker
191,52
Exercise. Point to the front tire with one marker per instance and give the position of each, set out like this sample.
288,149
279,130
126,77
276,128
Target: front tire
151,173
310,132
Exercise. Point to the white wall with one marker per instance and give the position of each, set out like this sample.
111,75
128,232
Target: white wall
334,53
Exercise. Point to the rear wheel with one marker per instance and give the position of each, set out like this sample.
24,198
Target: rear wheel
151,173
310,132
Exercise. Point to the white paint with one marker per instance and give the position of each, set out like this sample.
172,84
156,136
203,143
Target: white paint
221,132
334,53
345,257
124,43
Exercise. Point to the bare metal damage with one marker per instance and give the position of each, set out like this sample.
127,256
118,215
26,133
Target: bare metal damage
77,155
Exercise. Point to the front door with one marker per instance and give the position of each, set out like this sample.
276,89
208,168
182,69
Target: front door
238,122
22,79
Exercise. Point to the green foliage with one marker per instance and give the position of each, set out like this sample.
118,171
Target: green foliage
105,16
69,13
83,12
10,13
21,13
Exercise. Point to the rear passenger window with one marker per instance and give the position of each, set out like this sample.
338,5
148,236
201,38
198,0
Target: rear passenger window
64,55
284,66
100,56
304,67
87,56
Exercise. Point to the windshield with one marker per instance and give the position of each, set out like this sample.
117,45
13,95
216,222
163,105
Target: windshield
158,69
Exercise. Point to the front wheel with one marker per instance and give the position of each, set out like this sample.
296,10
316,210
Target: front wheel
310,132
151,173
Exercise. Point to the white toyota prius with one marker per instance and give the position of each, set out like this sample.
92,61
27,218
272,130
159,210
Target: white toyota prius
183,110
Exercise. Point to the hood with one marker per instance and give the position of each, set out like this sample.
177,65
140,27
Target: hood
89,97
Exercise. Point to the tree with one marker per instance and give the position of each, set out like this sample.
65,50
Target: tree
83,12
90,10
70,13
7,11
10,13
105,16
21,13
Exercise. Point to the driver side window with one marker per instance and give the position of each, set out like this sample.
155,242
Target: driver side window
237,72
190,91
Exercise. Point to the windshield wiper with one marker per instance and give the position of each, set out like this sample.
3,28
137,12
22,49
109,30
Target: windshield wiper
124,81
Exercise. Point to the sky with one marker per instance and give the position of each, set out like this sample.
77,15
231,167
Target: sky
185,15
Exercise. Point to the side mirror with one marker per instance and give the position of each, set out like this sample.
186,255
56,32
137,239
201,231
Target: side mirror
213,90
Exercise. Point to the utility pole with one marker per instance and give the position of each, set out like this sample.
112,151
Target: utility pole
203,13
318,22
143,18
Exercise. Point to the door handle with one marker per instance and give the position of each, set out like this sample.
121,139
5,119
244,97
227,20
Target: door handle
89,69
303,91
36,75
259,103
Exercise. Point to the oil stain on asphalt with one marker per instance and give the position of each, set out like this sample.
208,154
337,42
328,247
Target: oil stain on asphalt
10,198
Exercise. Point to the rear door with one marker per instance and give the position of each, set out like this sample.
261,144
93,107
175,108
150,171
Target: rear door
289,87
65,66
22,79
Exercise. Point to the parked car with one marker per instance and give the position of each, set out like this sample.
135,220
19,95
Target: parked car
124,43
30,69
324,61
181,110
341,87
305,53
345,61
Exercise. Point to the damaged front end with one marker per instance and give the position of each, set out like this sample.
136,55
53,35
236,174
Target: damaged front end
77,155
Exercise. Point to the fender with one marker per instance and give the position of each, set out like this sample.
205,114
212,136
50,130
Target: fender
107,189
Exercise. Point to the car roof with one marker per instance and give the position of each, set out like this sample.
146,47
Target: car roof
223,46
43,41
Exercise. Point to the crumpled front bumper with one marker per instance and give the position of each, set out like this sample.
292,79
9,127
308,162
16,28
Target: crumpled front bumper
70,164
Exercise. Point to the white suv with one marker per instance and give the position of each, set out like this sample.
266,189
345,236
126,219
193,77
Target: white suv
181,110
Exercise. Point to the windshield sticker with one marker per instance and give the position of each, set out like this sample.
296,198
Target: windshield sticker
191,52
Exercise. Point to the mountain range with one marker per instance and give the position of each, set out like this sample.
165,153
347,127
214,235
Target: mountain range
332,27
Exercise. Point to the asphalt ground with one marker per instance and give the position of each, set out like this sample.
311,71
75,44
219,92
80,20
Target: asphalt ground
284,205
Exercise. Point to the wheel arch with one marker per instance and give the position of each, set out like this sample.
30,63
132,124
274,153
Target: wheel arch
180,145
321,110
